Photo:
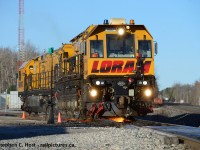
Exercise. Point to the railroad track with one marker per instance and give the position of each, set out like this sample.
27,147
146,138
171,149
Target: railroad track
176,137
190,136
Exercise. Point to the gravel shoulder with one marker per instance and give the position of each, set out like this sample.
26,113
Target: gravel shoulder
97,138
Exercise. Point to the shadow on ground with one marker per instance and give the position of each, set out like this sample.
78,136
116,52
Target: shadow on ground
15,132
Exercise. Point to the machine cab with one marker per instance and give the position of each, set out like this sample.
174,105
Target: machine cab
112,48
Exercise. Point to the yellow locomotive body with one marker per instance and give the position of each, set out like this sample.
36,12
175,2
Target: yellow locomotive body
107,69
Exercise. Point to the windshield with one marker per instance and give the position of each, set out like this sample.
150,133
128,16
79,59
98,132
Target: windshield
118,46
144,47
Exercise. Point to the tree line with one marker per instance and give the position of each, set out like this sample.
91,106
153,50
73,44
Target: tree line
183,93
8,65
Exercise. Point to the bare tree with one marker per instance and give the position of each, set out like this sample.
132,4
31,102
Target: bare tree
8,65
197,92
31,51
8,60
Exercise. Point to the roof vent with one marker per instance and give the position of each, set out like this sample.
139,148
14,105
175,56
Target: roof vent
117,21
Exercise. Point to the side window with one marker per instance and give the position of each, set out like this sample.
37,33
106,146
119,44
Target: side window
83,48
96,49
65,55
144,47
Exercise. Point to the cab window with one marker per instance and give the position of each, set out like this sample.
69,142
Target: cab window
96,49
122,47
144,47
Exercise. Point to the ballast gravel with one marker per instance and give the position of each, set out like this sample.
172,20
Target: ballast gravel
95,138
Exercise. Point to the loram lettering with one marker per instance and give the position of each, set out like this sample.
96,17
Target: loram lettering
116,66
112,67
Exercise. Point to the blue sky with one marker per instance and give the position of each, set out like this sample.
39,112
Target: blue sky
174,24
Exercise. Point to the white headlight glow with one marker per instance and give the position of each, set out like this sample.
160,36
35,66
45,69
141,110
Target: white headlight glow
148,92
93,92
144,82
121,31
97,82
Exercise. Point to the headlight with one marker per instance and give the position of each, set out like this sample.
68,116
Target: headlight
93,92
144,82
102,82
121,31
97,82
148,92
141,82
